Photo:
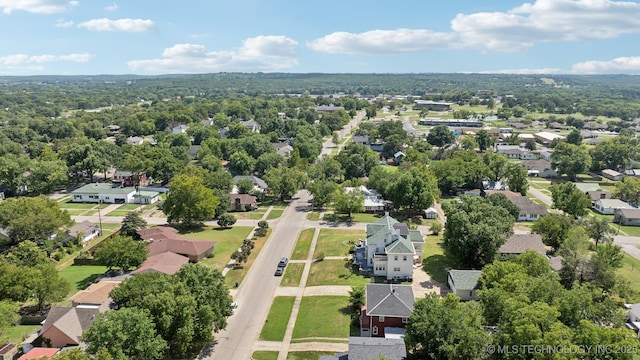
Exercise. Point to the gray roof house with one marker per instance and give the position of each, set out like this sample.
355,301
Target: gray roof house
85,230
627,217
367,348
464,283
258,184
386,310
608,206
520,243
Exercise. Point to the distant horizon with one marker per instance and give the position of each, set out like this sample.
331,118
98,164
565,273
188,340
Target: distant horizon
520,37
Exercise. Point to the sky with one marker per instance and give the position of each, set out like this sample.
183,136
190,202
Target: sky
151,37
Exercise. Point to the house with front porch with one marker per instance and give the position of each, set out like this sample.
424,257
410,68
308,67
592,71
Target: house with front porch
389,249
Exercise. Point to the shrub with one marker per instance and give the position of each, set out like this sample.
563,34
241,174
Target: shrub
319,256
263,224
435,227
260,232
226,220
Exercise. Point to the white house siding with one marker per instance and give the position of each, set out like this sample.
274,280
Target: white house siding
399,266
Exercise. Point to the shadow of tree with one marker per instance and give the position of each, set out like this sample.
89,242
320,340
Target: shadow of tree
435,266
84,283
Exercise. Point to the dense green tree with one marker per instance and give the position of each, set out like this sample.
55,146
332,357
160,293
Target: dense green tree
574,137
322,192
571,159
48,286
516,176
28,254
131,223
503,201
628,189
445,328
568,198
78,354
474,231
599,229
380,180
219,180
415,189
8,317
575,257
284,181
268,161
348,202
326,168
553,228
32,218
241,163
484,140
244,185
610,154
440,136
226,220
121,252
126,334
189,201
356,300
45,176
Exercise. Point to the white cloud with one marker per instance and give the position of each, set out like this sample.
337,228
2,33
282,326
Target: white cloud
27,60
382,41
37,6
547,21
112,7
261,53
513,30
122,25
61,23
621,65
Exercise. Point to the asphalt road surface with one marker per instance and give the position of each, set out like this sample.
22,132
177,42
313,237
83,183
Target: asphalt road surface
256,291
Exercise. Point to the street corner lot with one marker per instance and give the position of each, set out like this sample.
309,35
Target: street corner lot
322,317
337,242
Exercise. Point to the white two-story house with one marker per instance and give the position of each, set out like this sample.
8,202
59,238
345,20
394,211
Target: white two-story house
390,249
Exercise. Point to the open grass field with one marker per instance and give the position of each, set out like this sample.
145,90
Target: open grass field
278,318
434,260
337,242
81,276
292,274
238,274
334,272
323,316
630,271
629,230
16,334
227,241
275,214
303,245
264,355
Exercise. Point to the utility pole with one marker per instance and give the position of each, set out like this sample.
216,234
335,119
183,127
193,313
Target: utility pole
99,216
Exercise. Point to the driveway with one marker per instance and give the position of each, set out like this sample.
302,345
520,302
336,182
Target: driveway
629,244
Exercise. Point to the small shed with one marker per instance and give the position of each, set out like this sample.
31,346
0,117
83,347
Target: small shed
430,213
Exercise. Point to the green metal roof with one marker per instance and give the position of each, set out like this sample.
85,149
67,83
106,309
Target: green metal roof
465,279
400,246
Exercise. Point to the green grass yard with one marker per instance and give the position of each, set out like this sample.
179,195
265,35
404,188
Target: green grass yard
264,355
307,355
238,274
292,274
275,214
334,272
434,260
337,242
313,216
301,251
323,316
81,276
72,205
227,241
17,333
357,217
118,213
278,318
630,271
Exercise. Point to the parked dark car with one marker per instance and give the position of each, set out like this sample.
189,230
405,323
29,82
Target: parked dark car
279,271
283,262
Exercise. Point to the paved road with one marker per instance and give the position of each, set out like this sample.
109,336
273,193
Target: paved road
541,196
629,244
255,294
328,145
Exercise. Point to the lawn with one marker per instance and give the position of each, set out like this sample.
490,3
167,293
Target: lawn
629,272
81,276
72,205
75,212
307,355
118,213
129,207
264,355
278,318
434,261
292,274
275,213
227,241
337,242
301,251
334,272
357,217
313,216
249,215
238,274
16,334
390,169
629,230
323,316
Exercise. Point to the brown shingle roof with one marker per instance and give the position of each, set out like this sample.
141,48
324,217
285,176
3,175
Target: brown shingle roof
519,243
97,293
158,232
244,198
167,263
166,238
71,321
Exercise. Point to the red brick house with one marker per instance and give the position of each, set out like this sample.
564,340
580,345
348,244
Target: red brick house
386,310
128,178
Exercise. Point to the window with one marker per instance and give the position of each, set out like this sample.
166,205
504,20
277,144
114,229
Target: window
396,258
404,320
404,258
381,318
396,269
375,330
470,293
